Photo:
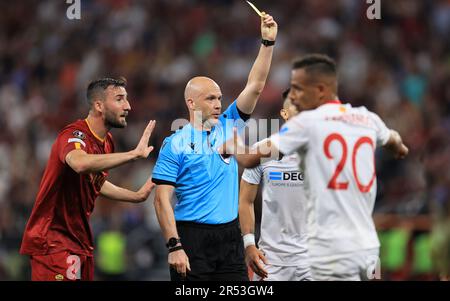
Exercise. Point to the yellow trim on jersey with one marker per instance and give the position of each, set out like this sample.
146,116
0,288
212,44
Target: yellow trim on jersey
95,135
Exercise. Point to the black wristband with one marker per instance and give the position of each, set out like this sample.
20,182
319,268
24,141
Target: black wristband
175,249
267,43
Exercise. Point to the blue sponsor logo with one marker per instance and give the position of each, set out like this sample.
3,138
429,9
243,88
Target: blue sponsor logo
274,175
286,176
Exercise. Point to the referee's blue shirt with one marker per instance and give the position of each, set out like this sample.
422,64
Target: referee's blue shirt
206,184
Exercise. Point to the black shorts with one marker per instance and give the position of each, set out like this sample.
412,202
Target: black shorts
215,252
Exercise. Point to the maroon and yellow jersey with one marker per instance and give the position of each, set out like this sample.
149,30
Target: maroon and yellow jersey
60,217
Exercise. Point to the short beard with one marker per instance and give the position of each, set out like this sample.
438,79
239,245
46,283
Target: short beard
112,122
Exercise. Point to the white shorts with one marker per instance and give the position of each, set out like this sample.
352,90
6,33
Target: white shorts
285,273
357,266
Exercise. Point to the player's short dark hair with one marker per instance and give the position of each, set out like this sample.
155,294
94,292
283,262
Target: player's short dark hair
100,85
285,93
316,64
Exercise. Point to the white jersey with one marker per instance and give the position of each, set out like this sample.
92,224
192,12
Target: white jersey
336,144
283,235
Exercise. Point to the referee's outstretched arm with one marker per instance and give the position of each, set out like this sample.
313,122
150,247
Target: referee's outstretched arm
248,98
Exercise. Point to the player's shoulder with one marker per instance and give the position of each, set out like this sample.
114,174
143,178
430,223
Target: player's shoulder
302,119
362,110
78,129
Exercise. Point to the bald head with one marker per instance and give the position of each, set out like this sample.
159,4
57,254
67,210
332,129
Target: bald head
199,85
204,101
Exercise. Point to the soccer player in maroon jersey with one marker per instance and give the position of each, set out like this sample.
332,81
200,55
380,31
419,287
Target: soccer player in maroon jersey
58,237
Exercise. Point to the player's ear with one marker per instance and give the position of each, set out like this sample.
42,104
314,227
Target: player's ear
284,114
98,106
321,89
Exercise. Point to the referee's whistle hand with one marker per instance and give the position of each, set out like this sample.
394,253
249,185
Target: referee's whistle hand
179,261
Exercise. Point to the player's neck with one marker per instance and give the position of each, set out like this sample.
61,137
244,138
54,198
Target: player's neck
97,126
330,98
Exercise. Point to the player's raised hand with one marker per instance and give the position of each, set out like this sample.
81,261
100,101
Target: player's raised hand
269,27
142,150
253,258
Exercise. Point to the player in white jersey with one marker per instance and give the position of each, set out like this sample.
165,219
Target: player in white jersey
282,253
336,143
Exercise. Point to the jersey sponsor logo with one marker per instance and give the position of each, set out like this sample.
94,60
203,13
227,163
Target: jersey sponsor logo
285,176
79,134
59,277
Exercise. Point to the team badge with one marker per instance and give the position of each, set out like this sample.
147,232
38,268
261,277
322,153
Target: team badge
79,134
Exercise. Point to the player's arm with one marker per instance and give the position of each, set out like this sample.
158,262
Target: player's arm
117,193
166,218
249,157
253,256
395,145
82,162
246,101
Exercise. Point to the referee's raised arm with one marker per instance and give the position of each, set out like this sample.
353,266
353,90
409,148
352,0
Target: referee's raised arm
248,98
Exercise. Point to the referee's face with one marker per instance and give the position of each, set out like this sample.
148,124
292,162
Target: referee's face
209,104
116,107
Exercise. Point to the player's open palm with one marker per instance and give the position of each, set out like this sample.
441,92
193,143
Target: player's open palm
179,261
269,27
143,149
254,259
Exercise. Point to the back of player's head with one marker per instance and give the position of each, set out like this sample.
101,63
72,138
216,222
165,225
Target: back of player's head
316,63
97,87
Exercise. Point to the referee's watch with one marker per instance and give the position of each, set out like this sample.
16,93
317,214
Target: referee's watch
267,43
172,242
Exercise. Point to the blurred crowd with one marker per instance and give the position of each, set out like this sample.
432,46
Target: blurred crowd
398,66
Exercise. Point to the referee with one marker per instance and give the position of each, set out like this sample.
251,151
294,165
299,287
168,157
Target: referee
202,232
